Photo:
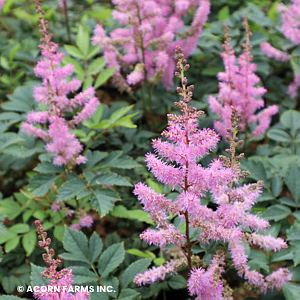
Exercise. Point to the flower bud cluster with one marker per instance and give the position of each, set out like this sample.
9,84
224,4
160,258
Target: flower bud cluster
59,279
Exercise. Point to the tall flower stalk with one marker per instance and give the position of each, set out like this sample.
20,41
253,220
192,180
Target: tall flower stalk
51,124
230,224
238,87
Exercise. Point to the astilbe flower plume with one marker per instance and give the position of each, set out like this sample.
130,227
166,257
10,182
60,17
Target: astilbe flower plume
238,87
176,163
53,93
60,281
146,43
291,30
2,3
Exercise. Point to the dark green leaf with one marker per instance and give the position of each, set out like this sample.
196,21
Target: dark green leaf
277,212
40,184
104,76
291,120
29,241
279,136
113,283
70,189
95,246
277,184
36,277
48,168
111,258
139,266
177,282
128,294
83,275
292,181
103,200
291,291
110,179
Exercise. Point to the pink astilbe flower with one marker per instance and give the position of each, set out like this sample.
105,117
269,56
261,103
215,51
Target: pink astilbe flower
176,163
272,52
2,3
60,285
53,93
86,221
238,87
146,44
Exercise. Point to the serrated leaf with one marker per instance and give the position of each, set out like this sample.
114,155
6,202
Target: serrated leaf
59,232
282,256
277,184
12,244
110,179
292,181
277,212
128,294
29,241
104,76
293,234
10,208
76,243
95,246
126,121
48,168
94,157
113,283
19,228
96,65
114,159
177,282
40,184
103,200
139,266
291,291
291,120
279,136
295,62
111,258
296,255
73,51
83,275
36,277
83,40
70,189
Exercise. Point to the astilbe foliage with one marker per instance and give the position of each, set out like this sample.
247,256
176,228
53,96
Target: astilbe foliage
238,87
291,30
60,286
176,163
54,95
146,44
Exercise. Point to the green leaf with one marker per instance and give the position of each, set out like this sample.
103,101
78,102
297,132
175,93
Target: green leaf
48,168
177,282
114,159
96,65
257,170
277,184
159,261
104,76
83,40
93,51
40,184
128,294
73,51
137,252
140,215
83,275
12,244
282,256
223,13
10,208
96,117
110,179
59,232
291,291
295,62
76,243
139,266
293,234
291,120
6,297
292,181
7,236
277,212
279,136
119,113
113,283
296,255
95,246
103,200
94,157
111,258
19,228
70,189
29,241
77,67
126,121
36,277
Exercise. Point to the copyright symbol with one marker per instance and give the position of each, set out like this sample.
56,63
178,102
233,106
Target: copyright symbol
20,288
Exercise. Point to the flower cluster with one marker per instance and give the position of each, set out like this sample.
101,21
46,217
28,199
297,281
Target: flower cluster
291,30
60,280
146,43
53,94
176,163
238,88
2,3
